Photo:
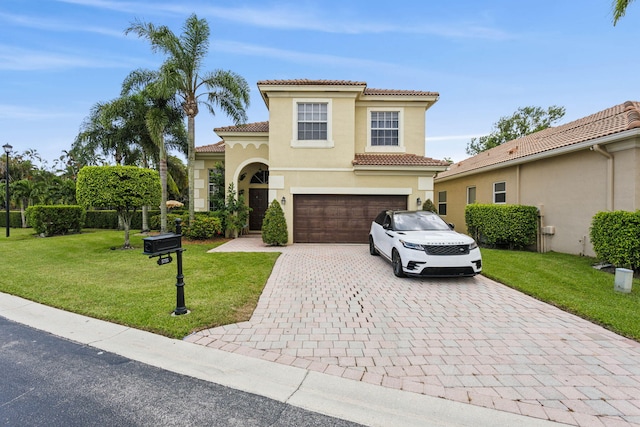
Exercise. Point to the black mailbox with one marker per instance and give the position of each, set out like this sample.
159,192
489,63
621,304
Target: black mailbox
162,244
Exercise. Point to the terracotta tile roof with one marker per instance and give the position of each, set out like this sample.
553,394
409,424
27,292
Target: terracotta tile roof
368,91
395,160
218,147
247,127
613,120
311,82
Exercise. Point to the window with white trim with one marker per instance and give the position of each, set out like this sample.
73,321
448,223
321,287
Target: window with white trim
384,128
312,121
442,202
471,195
500,192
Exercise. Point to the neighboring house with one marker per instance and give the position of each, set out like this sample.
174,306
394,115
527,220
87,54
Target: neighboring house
569,172
333,153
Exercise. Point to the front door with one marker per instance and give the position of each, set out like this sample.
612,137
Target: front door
258,204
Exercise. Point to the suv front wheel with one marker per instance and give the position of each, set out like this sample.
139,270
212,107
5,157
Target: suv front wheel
396,262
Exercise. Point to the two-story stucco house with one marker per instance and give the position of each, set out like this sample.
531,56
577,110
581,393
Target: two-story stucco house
570,172
333,153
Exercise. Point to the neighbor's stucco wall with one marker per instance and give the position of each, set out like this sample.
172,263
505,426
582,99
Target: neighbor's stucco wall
568,189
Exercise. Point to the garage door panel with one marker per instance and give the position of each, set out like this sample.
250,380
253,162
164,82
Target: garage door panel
338,218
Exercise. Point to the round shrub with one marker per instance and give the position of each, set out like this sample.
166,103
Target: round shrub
203,228
274,226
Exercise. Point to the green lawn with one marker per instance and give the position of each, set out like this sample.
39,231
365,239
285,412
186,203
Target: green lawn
568,282
82,274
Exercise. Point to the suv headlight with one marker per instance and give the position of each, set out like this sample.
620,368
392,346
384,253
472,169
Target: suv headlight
473,245
414,246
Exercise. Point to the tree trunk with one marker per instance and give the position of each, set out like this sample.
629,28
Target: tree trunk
163,185
145,218
191,158
126,222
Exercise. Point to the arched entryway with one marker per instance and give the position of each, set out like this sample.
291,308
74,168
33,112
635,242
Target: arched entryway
253,183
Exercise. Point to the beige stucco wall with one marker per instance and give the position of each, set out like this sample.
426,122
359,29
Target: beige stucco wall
569,190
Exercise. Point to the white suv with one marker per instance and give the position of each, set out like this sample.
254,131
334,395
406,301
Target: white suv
420,243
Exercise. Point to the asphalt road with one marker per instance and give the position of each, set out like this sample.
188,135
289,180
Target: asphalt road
47,380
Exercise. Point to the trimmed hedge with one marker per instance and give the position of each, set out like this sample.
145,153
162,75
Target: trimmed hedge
202,227
52,220
514,226
615,237
108,219
15,219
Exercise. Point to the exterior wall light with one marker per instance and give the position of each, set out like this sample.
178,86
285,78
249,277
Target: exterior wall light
419,201
283,201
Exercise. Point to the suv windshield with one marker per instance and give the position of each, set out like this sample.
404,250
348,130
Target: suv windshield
418,221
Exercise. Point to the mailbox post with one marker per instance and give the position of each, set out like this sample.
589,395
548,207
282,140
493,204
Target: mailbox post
162,246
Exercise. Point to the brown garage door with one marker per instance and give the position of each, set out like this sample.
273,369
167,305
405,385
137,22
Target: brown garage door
338,218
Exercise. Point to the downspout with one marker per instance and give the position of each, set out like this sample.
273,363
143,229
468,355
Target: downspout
598,149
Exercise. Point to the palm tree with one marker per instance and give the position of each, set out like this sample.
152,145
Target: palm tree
163,121
181,72
619,9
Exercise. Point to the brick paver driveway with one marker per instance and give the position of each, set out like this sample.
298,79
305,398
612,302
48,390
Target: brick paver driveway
338,310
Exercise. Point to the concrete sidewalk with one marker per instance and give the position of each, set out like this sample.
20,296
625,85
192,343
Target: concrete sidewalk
356,401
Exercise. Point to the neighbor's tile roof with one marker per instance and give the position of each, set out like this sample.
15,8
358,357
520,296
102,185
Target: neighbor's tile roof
247,127
395,160
218,147
613,120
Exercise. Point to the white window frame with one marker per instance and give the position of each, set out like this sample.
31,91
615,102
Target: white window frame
475,194
496,192
312,143
400,148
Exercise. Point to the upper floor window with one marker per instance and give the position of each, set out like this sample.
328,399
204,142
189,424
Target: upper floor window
312,126
312,121
384,128
500,192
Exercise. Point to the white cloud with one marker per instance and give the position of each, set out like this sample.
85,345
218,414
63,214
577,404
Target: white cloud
296,56
57,26
18,112
19,59
296,17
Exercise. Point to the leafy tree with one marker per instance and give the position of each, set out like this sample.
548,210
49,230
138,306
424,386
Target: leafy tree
237,212
524,121
123,188
619,9
163,118
181,72
274,226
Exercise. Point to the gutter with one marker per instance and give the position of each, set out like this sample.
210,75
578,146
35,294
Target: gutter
600,150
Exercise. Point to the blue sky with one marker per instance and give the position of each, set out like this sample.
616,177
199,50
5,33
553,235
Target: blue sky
485,58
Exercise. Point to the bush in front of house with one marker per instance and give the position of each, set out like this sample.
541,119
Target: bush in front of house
202,228
429,206
513,226
52,220
274,226
615,237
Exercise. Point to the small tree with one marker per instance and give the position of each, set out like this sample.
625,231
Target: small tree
123,188
274,226
237,212
429,206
